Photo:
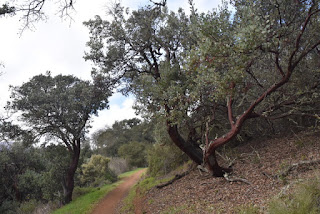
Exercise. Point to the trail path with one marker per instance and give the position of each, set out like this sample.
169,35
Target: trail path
112,199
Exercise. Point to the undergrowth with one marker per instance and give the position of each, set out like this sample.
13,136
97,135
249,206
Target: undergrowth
304,200
247,209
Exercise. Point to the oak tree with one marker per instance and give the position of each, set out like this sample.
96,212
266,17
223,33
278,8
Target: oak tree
144,51
60,108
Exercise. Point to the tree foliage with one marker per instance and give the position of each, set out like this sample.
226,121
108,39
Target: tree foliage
163,156
134,153
60,108
96,171
6,9
144,51
209,73
260,73
108,141
21,169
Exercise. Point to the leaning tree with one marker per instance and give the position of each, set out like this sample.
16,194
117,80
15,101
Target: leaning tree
261,63
205,71
144,52
60,108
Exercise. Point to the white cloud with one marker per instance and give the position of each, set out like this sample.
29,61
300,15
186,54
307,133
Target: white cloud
118,111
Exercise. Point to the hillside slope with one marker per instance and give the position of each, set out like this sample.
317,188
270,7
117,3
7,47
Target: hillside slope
258,162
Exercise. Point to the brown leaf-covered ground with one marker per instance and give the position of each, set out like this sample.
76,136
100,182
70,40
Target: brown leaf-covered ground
256,161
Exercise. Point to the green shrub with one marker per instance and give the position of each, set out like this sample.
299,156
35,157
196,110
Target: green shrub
79,191
9,207
27,207
164,156
162,159
30,185
305,200
96,172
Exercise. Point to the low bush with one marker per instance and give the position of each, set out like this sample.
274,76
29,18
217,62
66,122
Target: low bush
47,208
247,209
118,165
37,207
96,172
79,191
27,207
9,207
305,199
163,158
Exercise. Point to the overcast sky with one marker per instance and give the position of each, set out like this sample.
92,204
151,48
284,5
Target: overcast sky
58,46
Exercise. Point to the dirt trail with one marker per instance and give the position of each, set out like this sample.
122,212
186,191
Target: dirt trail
112,199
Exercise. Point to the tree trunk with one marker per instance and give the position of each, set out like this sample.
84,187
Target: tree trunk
191,149
214,168
210,158
69,180
17,191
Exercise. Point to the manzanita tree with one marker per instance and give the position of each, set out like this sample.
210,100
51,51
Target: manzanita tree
60,107
260,62
205,70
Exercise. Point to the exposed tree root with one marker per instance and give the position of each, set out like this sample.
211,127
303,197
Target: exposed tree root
296,165
176,177
202,169
227,159
230,178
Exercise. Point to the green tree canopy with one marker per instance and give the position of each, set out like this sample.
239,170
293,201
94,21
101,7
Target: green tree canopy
134,153
108,141
21,167
208,73
144,51
60,107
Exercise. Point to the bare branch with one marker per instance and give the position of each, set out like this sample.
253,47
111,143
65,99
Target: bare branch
278,64
298,40
296,165
32,11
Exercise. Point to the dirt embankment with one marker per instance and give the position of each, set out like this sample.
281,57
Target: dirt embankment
259,162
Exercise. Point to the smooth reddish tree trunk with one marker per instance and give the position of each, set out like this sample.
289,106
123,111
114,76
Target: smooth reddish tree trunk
210,158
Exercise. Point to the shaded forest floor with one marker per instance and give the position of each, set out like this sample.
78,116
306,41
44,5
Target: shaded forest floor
260,162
